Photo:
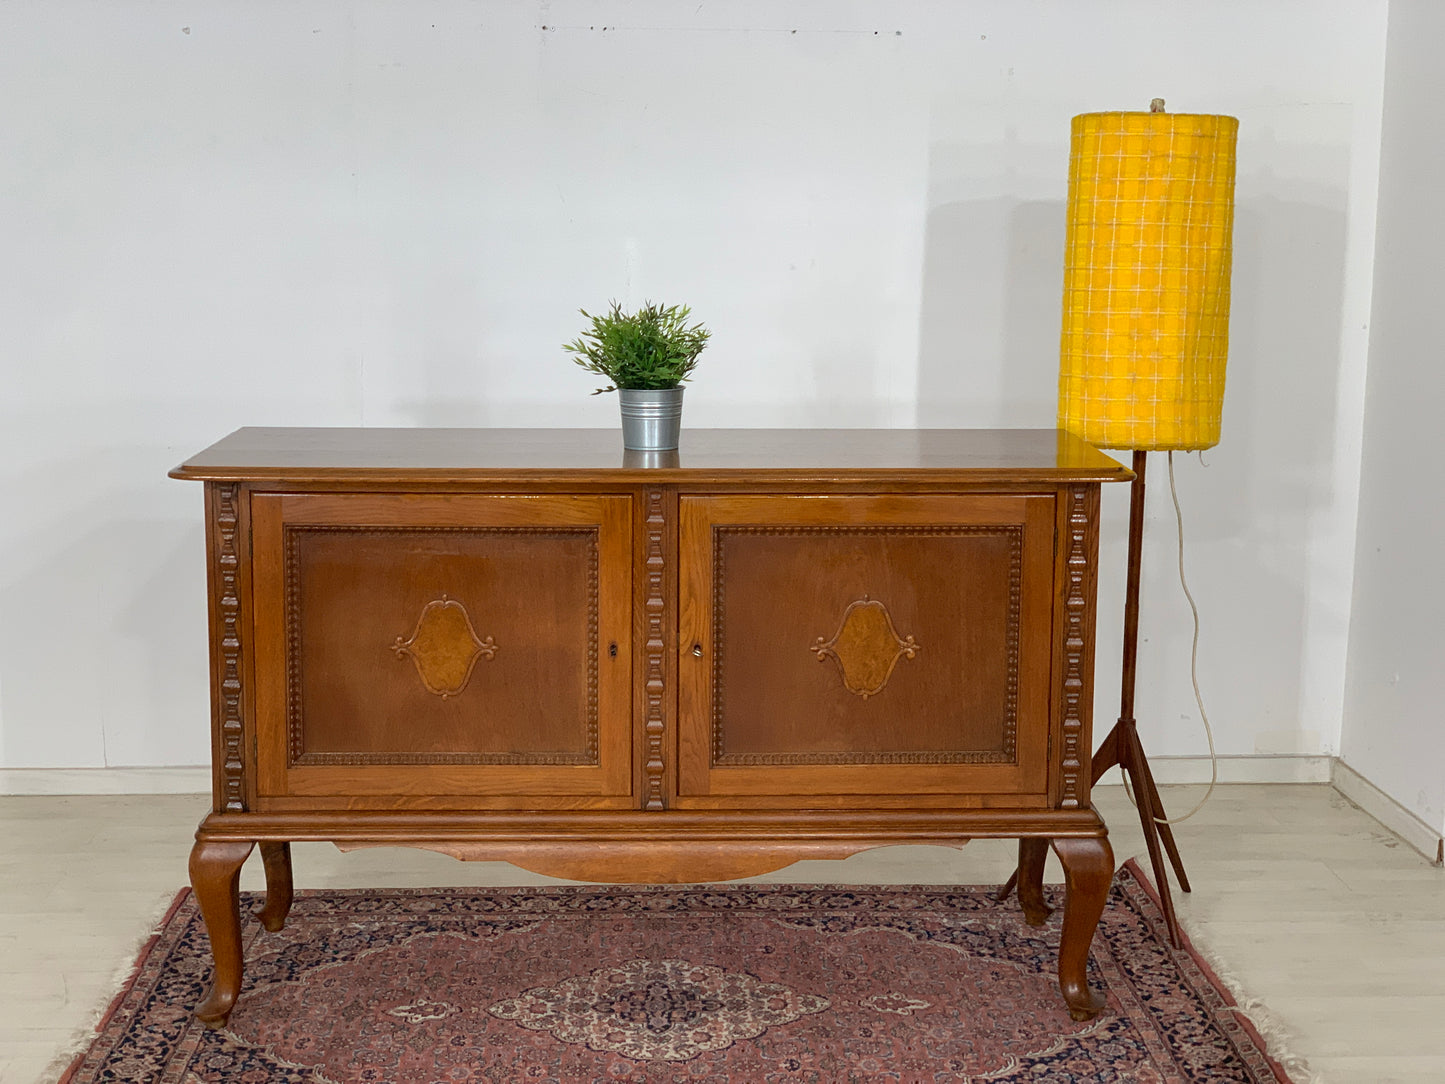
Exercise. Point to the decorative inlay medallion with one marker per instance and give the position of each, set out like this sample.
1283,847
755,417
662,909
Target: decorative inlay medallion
444,647
658,1010
866,647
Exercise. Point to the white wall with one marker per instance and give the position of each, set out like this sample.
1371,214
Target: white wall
320,213
1393,732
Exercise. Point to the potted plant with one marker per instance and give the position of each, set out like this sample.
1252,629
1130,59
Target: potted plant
646,355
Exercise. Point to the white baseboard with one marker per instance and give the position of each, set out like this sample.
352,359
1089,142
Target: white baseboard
1281,768
1404,823
37,781
1232,769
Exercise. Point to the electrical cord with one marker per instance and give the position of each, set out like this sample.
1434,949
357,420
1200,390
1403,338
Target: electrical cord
1193,668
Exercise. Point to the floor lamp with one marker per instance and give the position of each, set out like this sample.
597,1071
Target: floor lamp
1145,337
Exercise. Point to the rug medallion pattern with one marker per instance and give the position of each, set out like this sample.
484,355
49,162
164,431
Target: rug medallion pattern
715,984
669,1010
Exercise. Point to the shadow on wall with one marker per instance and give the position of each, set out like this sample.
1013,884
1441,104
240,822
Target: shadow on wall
988,342
1273,468
988,356
1283,385
1255,514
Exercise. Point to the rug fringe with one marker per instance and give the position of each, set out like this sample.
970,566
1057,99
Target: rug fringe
1274,1034
120,980
1278,1039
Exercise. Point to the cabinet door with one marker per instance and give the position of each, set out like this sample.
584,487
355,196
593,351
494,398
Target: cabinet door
442,650
891,646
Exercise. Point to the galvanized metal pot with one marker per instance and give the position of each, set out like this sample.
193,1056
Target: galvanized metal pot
651,418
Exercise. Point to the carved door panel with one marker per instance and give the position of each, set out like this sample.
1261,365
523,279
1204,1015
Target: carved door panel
893,646
451,650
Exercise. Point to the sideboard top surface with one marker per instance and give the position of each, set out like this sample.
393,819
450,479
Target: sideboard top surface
802,455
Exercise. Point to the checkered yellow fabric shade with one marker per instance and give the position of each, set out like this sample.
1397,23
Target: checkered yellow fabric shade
1146,279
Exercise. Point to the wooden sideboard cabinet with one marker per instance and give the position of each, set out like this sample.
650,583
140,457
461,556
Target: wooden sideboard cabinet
530,645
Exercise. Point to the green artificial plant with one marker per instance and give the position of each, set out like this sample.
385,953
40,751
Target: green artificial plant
651,348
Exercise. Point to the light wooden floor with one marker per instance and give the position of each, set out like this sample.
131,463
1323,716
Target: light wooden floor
1317,911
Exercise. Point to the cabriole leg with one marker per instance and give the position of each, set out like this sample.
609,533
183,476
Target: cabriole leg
1032,855
1088,871
277,858
215,879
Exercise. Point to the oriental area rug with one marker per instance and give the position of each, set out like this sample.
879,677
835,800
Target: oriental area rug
703,985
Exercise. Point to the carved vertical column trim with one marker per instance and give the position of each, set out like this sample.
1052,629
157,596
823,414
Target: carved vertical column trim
296,746
228,666
1080,569
655,609
1015,624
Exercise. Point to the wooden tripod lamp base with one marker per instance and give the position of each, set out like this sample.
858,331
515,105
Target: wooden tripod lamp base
1121,747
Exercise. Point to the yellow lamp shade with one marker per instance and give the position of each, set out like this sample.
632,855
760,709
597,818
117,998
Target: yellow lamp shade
1146,279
